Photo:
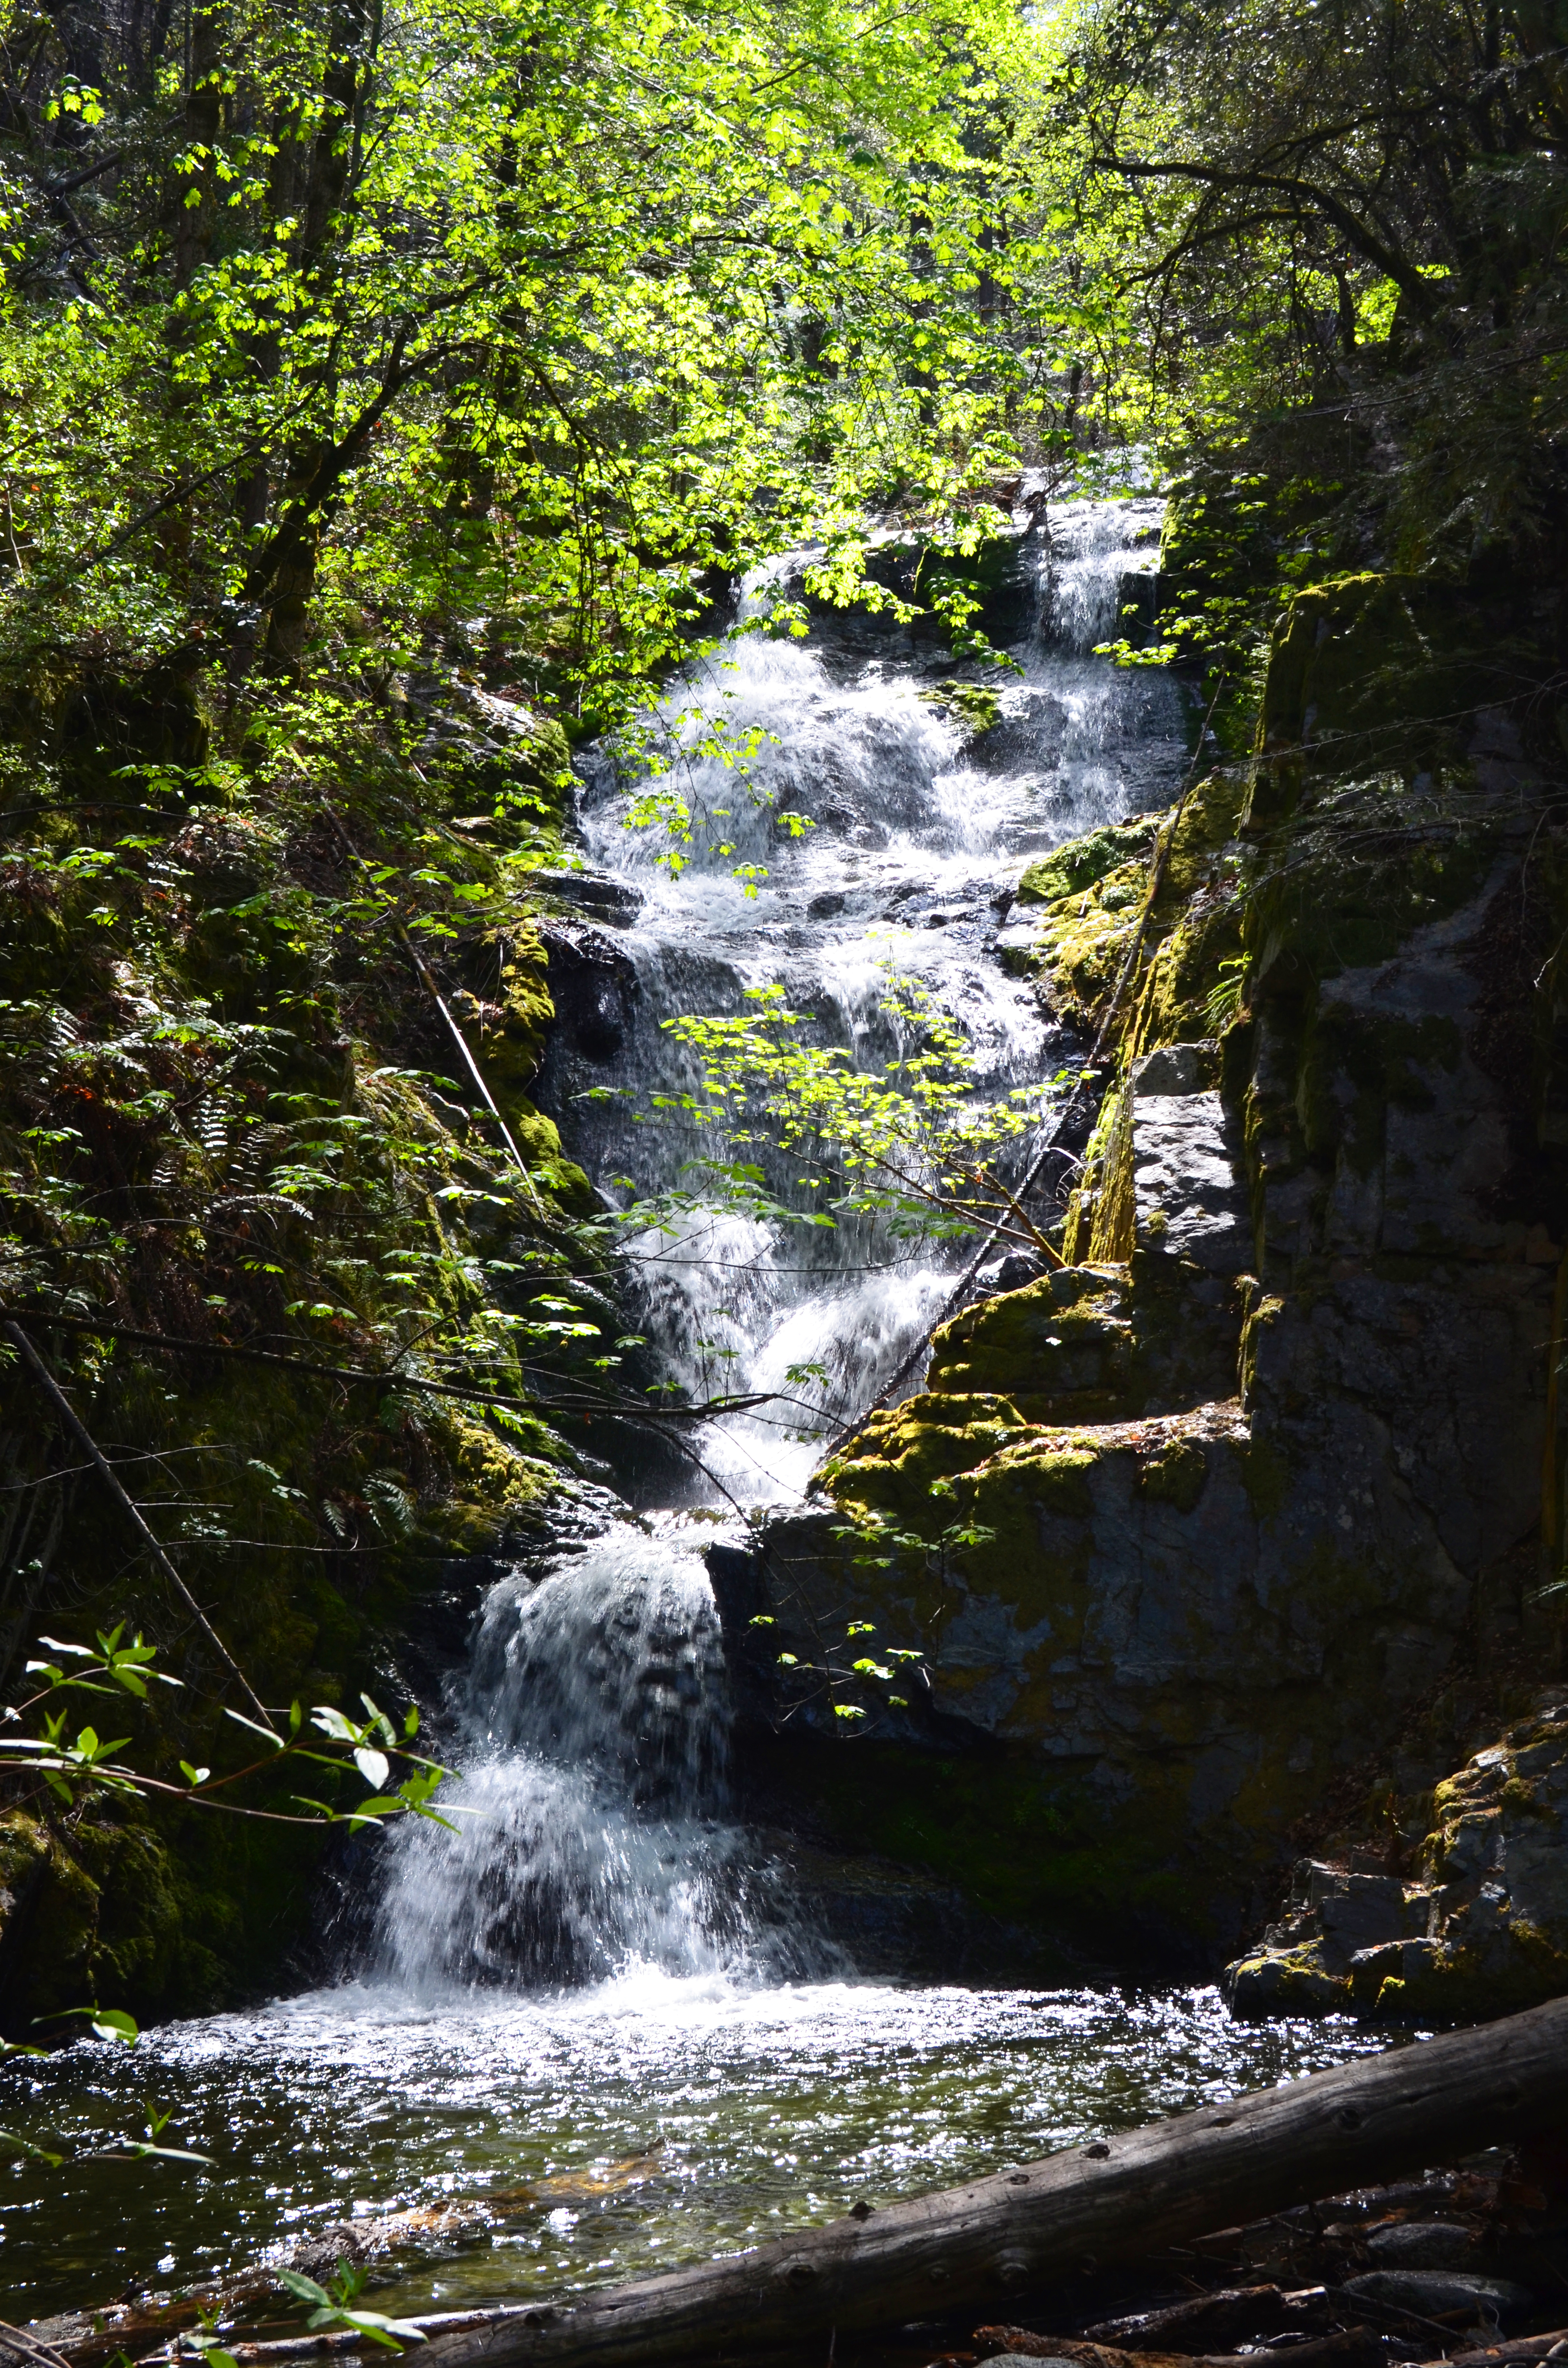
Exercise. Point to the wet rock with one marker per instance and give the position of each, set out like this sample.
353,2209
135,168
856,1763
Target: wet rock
594,990
1422,2244
974,707
1013,946
1074,869
1190,1196
614,903
1281,1981
1008,1273
1175,1070
1431,2293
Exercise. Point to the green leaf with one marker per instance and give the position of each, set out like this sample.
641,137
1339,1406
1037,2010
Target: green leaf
25,2145
304,2289
113,2022
268,1735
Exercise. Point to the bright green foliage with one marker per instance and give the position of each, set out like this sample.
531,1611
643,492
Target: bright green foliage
387,395
912,1141
338,2307
489,317
90,1766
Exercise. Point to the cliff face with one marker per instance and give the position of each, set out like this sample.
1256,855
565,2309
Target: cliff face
1244,1517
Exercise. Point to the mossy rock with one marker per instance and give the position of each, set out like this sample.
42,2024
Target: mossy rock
1372,666
892,1462
1175,1475
974,705
511,772
48,1918
495,1484
1060,1349
1286,1982
1083,940
512,1050
1069,869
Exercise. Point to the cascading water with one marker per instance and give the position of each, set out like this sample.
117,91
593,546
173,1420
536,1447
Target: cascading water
919,832
600,1966
595,1749
592,1727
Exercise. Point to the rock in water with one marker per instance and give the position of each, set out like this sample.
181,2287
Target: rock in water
1431,2293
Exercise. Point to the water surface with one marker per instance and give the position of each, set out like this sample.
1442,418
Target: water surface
757,2107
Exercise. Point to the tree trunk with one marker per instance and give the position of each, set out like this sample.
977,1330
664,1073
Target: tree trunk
969,2248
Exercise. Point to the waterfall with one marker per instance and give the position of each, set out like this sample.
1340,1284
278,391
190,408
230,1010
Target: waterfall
590,1816
595,1824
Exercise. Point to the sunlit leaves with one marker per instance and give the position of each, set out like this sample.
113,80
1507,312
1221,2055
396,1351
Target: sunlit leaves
671,284
915,1141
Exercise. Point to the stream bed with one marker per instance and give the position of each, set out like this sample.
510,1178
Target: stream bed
591,2035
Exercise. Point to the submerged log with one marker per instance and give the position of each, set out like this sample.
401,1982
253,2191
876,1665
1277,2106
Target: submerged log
969,2248
85,2338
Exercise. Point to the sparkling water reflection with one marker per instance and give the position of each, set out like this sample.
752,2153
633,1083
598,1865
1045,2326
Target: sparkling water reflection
761,2107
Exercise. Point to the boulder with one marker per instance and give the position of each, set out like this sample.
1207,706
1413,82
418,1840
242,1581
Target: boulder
1431,2293
1481,1928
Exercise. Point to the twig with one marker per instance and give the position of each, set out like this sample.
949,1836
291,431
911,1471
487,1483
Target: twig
20,2345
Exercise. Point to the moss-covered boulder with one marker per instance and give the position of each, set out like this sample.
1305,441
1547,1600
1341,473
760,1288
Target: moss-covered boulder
1478,1928
1167,1629
1060,1350
1083,863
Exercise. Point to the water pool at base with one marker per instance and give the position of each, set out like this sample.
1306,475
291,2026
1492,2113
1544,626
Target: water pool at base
753,2109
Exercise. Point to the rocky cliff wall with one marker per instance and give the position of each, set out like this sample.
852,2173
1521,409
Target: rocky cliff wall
1194,1538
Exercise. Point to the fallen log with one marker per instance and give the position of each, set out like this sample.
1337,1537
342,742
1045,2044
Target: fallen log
965,2248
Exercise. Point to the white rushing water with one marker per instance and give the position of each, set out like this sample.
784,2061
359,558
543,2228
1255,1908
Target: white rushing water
919,832
595,1832
591,1834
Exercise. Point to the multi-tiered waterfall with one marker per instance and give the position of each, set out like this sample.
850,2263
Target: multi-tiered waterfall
593,1724
593,2038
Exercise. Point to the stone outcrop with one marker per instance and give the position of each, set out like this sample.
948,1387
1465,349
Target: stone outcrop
1182,1541
1480,1924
